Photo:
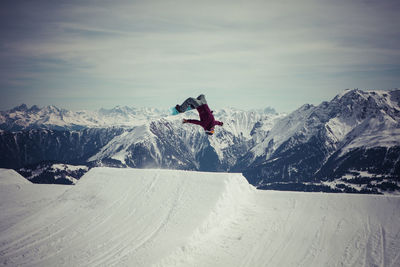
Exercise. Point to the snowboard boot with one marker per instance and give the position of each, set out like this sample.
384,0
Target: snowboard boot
178,108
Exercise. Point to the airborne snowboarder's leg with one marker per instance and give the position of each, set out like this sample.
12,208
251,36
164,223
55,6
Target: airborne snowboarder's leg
202,99
191,102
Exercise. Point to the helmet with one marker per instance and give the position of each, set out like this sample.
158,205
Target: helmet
210,132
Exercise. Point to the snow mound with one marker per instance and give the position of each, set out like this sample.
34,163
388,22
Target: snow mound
11,177
142,217
124,217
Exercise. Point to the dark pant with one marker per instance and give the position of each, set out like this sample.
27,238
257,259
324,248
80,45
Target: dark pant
193,102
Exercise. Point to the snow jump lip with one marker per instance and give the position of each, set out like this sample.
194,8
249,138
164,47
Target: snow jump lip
11,177
132,217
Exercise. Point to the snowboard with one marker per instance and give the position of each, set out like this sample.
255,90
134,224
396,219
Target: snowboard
173,110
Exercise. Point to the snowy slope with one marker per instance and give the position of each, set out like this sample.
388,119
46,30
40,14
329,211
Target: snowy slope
131,217
118,147
167,143
11,177
353,119
150,131
355,132
51,117
20,198
378,120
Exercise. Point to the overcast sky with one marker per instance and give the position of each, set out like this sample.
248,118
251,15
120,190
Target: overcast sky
243,54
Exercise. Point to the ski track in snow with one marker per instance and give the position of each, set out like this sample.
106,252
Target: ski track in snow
132,217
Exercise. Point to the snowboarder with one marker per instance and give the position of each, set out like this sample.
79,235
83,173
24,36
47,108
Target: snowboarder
207,120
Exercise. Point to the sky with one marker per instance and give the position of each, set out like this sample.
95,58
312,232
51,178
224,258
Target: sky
243,54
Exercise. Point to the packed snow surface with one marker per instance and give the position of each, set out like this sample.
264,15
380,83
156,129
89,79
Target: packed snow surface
132,217
11,177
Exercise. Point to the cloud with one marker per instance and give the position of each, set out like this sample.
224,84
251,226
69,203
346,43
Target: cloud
149,47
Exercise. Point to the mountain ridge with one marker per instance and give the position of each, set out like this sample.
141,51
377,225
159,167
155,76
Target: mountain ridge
51,117
313,145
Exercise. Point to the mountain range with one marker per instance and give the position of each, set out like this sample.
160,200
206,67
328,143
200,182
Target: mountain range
348,144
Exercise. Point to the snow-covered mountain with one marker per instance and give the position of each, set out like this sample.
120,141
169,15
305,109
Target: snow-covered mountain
351,143
169,144
51,117
24,148
134,137
49,173
159,142
354,119
356,131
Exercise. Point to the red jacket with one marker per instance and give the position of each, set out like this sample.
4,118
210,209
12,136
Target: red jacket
207,120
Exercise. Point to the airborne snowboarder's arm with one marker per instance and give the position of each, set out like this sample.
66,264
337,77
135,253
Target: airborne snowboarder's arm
220,123
193,122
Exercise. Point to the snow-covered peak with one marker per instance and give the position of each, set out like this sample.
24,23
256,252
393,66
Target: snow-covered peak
381,98
239,122
22,117
353,118
347,92
52,117
267,110
118,148
125,110
365,118
282,129
22,107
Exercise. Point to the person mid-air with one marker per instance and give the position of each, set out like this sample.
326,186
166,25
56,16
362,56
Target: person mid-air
207,120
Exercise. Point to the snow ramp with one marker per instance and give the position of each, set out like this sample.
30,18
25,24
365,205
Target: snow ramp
125,217
132,217
11,177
